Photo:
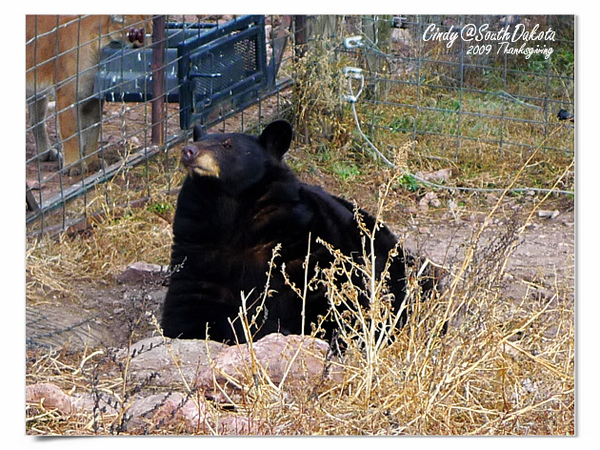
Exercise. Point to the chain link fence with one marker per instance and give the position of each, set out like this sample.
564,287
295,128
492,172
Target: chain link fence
109,97
459,85
472,79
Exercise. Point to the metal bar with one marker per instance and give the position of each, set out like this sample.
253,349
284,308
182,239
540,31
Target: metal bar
278,44
300,35
217,32
158,80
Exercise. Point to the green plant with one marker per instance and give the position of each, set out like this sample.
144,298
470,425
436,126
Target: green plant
408,182
345,171
160,207
538,64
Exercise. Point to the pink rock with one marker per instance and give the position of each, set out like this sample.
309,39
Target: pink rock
231,424
288,361
49,396
167,410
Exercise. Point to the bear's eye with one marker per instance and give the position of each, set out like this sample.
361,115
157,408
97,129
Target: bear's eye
227,143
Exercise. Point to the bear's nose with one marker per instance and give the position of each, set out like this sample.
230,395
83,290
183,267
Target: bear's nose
188,154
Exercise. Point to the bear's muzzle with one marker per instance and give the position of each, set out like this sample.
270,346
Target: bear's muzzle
200,163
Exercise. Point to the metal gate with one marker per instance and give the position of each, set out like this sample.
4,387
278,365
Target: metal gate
199,66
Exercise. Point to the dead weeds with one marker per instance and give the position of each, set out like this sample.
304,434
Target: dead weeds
505,366
502,367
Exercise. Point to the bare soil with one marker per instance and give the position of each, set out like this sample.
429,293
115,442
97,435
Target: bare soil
108,313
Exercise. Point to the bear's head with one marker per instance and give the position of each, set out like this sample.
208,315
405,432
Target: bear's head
236,160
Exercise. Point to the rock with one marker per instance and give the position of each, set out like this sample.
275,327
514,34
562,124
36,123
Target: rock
548,214
186,414
232,424
88,402
168,360
49,397
164,410
477,218
141,271
410,210
429,199
213,370
424,230
439,176
220,373
289,362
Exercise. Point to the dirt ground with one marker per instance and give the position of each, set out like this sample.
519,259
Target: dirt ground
106,312
545,253
544,258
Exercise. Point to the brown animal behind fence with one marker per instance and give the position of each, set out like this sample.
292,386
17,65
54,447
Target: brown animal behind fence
62,54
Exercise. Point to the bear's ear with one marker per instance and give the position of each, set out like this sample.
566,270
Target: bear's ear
198,133
276,138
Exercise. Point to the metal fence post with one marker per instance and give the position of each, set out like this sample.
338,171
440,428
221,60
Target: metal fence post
158,80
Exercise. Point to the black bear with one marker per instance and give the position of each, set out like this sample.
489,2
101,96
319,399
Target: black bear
239,200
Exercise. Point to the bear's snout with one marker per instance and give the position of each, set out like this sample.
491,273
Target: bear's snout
188,154
200,162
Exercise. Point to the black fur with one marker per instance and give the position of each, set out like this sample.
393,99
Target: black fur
227,226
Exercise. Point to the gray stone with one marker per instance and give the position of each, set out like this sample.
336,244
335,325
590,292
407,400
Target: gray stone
174,361
142,272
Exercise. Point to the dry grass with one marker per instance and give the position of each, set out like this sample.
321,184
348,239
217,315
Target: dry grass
117,234
500,369
504,367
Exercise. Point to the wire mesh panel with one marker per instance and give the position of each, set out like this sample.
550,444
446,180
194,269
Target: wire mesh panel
70,132
93,84
225,64
452,82
459,85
